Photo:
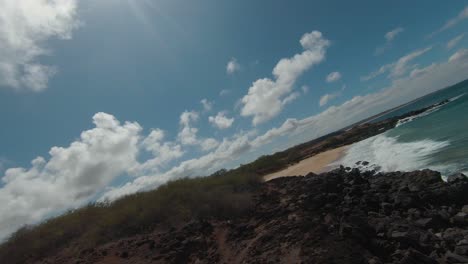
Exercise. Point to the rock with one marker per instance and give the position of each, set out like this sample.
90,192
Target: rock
398,235
424,222
416,257
461,218
455,258
374,260
456,177
124,254
453,234
461,250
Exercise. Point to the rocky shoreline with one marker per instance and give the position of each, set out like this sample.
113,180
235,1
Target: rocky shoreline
343,216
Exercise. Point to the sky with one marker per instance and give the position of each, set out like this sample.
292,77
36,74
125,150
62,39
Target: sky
101,99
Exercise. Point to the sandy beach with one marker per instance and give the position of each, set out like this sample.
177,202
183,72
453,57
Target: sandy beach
317,164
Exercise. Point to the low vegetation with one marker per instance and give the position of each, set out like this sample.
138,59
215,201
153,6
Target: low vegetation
225,195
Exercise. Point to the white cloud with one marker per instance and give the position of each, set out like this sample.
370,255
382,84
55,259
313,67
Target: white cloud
228,150
188,134
452,22
233,66
290,98
163,153
328,97
391,35
398,68
224,92
25,26
265,97
207,105
333,77
453,42
305,89
72,175
461,54
221,121
401,66
418,71
209,144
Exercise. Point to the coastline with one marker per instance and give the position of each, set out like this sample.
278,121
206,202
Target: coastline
317,164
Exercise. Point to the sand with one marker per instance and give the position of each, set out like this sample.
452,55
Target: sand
316,164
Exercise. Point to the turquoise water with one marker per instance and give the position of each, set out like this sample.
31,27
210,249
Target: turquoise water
437,139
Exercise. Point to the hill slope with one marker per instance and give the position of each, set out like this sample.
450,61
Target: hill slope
338,217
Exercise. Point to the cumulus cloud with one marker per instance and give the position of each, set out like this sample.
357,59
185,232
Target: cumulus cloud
265,98
25,26
290,98
188,134
328,97
207,105
453,42
71,176
233,66
163,153
228,150
221,121
398,68
333,77
209,144
452,22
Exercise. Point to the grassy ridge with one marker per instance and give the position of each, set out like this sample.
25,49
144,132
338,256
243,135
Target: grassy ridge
226,194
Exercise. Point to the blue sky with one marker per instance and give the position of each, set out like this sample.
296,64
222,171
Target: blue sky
72,73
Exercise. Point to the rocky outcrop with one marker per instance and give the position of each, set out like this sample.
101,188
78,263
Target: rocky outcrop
343,216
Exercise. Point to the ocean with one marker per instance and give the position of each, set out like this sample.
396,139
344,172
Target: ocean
436,139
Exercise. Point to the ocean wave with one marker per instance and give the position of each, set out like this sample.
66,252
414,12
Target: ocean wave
386,153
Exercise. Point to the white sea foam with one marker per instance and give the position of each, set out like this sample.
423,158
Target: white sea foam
411,118
425,113
456,97
391,155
